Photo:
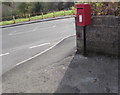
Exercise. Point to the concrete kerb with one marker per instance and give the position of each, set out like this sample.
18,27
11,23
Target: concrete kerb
36,21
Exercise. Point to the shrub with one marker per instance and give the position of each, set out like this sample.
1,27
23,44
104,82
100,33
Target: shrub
105,8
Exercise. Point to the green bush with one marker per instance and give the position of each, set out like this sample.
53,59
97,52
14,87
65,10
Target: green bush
104,8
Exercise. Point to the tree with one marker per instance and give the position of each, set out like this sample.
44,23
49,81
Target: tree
23,8
30,7
7,3
60,6
37,7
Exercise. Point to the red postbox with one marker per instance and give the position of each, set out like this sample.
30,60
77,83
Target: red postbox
83,14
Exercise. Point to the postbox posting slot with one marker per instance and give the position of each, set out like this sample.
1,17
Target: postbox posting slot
79,8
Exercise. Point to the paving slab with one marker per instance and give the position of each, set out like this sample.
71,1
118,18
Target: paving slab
62,70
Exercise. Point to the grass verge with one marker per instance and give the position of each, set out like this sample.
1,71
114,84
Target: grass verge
48,15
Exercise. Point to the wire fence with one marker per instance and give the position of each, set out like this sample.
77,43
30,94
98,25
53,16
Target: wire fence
35,16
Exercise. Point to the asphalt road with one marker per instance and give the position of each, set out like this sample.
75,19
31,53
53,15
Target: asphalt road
20,43
31,76
61,70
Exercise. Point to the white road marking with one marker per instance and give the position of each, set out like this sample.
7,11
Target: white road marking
39,45
42,28
54,26
41,52
35,29
4,54
15,33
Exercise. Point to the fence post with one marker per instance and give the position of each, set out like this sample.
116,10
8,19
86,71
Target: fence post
53,14
14,19
64,12
72,12
26,16
29,17
42,15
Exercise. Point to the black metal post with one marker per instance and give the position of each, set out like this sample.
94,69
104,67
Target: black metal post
84,40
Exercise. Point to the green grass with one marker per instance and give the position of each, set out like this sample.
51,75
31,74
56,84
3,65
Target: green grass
49,15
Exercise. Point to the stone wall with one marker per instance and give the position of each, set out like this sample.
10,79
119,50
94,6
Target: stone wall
101,37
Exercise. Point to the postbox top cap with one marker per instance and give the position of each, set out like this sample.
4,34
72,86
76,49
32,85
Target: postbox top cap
83,4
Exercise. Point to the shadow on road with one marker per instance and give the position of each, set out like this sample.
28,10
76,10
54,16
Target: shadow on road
92,74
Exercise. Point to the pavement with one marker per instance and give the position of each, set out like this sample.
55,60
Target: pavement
23,42
62,70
